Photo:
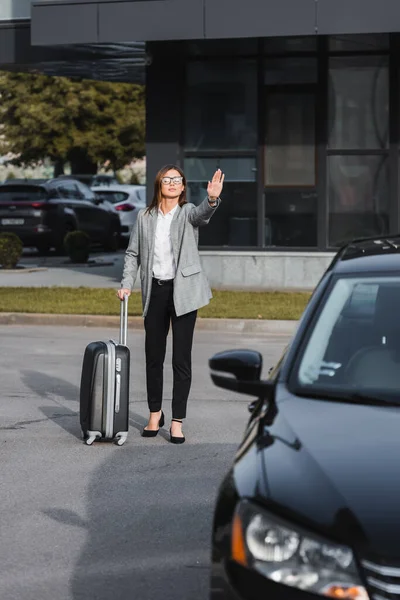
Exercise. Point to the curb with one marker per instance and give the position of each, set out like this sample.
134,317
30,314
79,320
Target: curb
23,270
228,325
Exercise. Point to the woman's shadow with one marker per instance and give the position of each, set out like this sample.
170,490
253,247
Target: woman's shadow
149,518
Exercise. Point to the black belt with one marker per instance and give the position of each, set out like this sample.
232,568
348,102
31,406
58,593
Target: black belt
162,281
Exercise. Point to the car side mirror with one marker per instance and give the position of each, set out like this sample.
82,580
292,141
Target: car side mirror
244,370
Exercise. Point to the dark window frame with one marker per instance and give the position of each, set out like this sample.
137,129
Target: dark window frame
322,151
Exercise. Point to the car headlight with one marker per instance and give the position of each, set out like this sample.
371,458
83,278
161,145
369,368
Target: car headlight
287,555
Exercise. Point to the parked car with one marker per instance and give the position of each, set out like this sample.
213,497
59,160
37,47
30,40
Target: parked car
310,506
42,212
127,201
92,180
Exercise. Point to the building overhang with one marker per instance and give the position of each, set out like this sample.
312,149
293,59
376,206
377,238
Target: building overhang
57,22
104,62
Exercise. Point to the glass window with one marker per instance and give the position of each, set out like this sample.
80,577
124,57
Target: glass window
358,197
358,103
289,45
111,196
70,191
291,217
354,345
22,193
358,43
290,139
235,221
291,70
236,47
235,169
221,106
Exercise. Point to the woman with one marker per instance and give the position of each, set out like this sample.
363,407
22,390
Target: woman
164,243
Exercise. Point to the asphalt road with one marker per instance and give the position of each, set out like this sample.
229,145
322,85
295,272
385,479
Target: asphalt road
107,522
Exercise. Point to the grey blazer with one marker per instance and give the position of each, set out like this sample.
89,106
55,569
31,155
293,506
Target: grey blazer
191,287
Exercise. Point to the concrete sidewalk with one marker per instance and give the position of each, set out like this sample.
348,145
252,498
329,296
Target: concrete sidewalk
103,271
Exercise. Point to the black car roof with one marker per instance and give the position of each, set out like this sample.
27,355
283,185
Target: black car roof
368,254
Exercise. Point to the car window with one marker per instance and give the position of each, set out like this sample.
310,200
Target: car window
22,193
355,342
113,197
84,191
69,190
120,196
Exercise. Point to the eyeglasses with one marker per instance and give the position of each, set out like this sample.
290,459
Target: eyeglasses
169,180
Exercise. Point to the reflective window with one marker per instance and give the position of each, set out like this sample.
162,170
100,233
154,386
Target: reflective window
221,106
22,193
358,103
70,191
290,45
228,48
290,139
235,221
354,346
291,70
291,217
358,43
358,197
111,196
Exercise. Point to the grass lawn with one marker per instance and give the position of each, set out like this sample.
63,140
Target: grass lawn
99,301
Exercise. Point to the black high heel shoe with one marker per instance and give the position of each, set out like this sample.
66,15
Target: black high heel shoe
153,432
174,439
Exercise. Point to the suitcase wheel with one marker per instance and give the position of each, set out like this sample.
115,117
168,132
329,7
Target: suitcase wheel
121,439
91,436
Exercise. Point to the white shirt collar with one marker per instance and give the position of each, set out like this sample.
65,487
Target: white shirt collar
170,213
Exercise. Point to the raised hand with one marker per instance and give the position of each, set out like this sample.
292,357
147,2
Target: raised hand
215,186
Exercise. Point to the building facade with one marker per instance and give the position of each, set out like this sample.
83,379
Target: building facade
297,101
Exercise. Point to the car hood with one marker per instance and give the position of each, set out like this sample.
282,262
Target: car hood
336,468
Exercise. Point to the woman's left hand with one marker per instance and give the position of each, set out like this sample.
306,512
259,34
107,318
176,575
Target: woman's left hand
215,186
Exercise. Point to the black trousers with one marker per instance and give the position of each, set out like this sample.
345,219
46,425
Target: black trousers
160,314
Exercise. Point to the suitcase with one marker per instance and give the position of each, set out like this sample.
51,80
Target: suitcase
104,392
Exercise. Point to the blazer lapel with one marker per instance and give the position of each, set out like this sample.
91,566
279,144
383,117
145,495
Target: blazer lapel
174,232
151,237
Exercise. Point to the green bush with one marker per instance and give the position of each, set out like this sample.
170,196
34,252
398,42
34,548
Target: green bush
10,250
77,246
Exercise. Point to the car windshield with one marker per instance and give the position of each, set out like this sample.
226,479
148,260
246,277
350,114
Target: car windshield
353,349
22,193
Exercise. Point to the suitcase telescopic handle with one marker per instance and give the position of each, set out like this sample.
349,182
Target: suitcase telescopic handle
123,329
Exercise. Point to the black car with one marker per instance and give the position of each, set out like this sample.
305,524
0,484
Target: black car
41,212
311,505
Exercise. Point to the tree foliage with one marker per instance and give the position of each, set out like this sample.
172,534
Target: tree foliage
81,122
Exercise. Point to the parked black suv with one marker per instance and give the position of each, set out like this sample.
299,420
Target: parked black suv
41,212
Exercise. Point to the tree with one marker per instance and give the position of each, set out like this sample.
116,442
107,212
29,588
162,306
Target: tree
80,122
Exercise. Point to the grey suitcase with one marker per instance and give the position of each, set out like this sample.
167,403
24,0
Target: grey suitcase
104,392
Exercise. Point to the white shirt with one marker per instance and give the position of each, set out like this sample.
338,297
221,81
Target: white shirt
164,263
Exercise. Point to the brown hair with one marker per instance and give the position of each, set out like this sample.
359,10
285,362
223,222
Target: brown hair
157,187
